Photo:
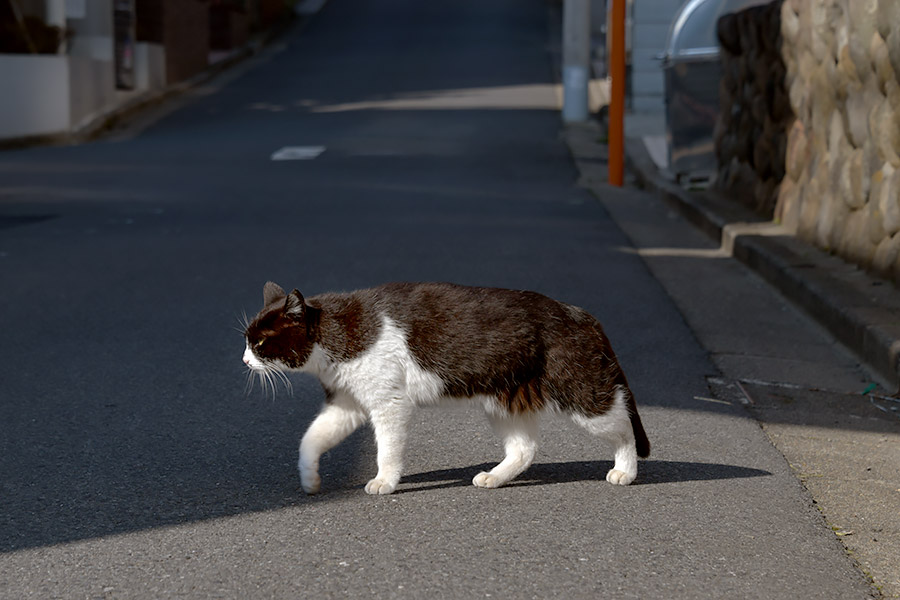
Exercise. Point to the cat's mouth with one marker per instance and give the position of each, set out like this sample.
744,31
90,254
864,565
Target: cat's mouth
268,374
251,361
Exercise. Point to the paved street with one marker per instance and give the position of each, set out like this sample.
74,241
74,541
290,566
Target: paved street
133,464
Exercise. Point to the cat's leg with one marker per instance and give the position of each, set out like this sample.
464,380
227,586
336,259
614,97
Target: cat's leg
339,418
520,439
389,421
615,426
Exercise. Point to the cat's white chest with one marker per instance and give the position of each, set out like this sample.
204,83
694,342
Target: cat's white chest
385,372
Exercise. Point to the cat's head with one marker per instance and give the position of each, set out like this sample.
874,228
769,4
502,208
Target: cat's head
278,338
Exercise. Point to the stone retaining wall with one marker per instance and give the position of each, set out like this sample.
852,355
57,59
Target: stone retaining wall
755,111
842,185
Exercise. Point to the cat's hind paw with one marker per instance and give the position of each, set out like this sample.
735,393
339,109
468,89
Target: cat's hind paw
486,480
617,477
310,482
380,486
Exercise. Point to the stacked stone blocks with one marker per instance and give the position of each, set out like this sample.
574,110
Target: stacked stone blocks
842,185
755,111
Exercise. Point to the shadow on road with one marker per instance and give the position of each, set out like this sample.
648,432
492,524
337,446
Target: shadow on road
650,472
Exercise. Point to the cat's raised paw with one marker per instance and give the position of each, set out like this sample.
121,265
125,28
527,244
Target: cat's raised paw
380,486
618,477
486,480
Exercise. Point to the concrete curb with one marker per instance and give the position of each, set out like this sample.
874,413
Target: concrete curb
861,311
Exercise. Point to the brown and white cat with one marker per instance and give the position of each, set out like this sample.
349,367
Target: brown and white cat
381,352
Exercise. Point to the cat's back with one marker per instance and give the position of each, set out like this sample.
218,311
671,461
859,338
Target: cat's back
477,326
452,310
448,305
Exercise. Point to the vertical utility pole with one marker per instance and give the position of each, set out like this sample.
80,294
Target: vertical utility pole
616,29
576,59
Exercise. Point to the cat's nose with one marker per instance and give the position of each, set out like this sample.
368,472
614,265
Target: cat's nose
246,360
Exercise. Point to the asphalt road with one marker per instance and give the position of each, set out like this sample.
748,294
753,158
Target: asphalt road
132,463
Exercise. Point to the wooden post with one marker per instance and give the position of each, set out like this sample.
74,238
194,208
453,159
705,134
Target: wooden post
617,94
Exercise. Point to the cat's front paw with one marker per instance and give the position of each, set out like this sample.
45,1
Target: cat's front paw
380,486
486,480
618,477
310,482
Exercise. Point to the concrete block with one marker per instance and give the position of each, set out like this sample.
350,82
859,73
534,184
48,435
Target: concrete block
149,66
35,100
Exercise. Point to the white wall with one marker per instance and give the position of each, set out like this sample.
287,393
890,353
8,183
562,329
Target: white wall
149,66
49,94
92,88
36,96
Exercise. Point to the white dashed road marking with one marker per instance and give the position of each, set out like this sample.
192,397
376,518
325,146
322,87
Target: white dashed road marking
298,152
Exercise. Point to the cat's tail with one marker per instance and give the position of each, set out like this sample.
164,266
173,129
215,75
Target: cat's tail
641,443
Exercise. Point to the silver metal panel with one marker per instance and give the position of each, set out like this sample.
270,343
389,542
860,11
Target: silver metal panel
693,30
692,106
692,72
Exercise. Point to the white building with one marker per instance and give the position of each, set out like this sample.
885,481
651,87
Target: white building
52,94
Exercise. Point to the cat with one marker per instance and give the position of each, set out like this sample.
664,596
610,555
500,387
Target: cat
379,353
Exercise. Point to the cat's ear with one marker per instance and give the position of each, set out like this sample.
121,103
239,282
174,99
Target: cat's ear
271,293
294,305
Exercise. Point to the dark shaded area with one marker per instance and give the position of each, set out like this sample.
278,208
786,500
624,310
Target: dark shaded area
17,220
649,472
106,463
826,409
22,33
755,108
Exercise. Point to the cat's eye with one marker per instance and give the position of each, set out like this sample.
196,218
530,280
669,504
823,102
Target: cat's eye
260,343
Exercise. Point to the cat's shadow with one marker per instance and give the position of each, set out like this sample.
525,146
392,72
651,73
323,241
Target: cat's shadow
649,472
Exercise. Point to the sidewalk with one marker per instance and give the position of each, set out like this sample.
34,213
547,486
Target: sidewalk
861,311
768,320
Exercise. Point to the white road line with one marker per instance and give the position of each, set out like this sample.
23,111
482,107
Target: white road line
298,152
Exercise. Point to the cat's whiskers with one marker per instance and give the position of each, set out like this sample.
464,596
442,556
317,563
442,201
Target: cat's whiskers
281,375
265,382
242,323
248,386
269,376
270,385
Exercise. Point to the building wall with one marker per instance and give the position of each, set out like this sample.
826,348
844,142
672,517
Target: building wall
48,95
842,187
51,94
34,8
149,66
92,36
270,11
91,87
185,38
38,102
650,26
754,108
